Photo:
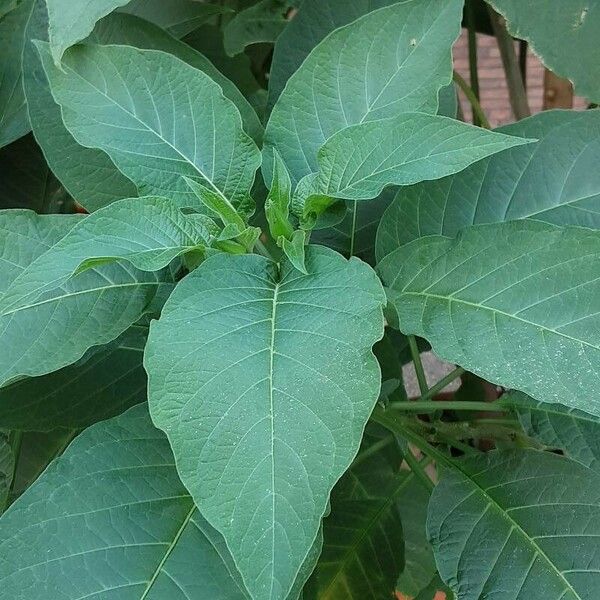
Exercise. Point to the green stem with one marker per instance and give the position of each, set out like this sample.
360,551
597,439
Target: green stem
442,383
353,228
472,38
418,469
419,370
421,406
472,98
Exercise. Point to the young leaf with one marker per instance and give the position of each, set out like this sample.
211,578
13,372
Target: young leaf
565,38
277,204
93,308
295,249
261,22
262,426
517,524
14,121
359,161
575,432
71,21
516,303
7,465
147,232
111,517
552,180
216,204
363,547
153,137
178,17
97,387
365,71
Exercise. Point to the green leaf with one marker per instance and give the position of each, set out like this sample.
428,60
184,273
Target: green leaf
235,382
516,303
517,524
420,563
277,204
575,432
363,547
93,308
216,204
14,121
7,465
178,17
27,182
147,232
295,249
87,174
261,22
315,19
153,137
70,22
131,31
430,591
553,180
357,162
98,387
110,518
392,60
564,35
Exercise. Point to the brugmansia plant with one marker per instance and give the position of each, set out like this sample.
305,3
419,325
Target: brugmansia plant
226,229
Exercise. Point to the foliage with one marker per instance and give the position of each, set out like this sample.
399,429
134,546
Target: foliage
225,228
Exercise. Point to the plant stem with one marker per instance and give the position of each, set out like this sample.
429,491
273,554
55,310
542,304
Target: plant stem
420,406
418,469
472,98
419,370
473,75
353,233
442,383
516,88
389,421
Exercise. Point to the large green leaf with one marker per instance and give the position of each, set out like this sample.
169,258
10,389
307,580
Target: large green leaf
27,182
363,548
357,162
575,432
110,519
93,308
71,21
157,118
87,174
517,525
563,34
553,180
261,425
517,303
132,31
178,17
98,387
419,568
6,468
392,60
14,122
148,232
315,19
261,22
